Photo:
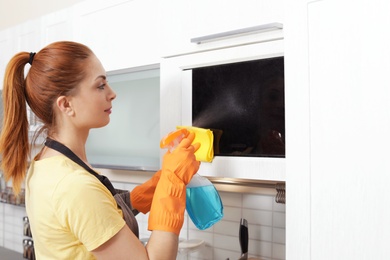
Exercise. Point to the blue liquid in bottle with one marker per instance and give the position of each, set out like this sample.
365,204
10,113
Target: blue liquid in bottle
204,206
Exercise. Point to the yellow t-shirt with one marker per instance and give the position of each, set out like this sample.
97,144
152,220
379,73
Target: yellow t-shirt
70,211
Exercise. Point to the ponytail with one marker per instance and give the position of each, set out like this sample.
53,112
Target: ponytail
14,144
57,70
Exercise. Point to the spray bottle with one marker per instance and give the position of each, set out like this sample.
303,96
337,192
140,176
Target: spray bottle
203,203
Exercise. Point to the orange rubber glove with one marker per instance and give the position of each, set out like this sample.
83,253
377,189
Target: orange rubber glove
169,201
141,196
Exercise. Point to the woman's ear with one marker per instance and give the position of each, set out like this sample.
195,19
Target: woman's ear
64,105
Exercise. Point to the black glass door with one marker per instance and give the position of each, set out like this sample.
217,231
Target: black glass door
243,103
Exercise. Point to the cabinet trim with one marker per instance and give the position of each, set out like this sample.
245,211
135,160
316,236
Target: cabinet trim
233,33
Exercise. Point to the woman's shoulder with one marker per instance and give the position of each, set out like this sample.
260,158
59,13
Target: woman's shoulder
63,174
59,164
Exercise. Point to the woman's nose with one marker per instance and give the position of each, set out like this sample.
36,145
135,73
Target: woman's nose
112,94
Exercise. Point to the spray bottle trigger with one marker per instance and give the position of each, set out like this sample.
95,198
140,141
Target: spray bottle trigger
172,139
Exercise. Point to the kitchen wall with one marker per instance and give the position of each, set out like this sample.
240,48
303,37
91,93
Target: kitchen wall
266,221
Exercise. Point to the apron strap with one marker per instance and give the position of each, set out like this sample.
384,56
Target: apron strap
59,147
122,198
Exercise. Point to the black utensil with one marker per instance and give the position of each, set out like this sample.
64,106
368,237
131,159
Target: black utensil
244,237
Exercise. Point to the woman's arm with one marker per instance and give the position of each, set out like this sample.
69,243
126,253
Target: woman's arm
165,250
125,245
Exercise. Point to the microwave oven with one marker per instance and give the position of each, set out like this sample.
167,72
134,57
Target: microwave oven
238,93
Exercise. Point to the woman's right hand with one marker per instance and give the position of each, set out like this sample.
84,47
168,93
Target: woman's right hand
182,161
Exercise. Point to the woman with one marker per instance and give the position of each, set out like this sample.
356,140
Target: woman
72,210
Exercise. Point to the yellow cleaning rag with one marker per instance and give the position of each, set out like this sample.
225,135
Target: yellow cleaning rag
205,137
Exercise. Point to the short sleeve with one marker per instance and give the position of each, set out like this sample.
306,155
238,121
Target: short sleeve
87,209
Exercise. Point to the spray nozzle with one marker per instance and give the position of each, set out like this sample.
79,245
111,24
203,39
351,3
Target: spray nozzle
172,139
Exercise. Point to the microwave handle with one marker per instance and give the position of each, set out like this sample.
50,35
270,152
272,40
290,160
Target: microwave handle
247,30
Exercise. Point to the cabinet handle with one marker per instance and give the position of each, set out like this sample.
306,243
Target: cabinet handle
248,30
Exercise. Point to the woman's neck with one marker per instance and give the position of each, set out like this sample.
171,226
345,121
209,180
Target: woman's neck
76,143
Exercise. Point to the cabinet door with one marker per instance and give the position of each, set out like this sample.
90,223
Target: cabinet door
122,33
350,116
23,37
183,21
343,111
57,26
7,47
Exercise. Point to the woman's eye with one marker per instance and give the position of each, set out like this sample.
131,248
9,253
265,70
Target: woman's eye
101,86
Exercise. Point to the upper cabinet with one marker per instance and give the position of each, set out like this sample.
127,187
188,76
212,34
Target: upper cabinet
126,34
185,20
25,37
122,33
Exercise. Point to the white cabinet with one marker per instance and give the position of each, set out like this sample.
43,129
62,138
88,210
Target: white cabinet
24,37
56,26
183,21
127,34
7,50
123,34
337,111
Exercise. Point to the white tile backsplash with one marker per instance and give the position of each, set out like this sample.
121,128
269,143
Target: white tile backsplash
279,219
261,248
258,217
228,228
231,199
266,221
11,226
252,201
279,235
279,251
260,233
231,213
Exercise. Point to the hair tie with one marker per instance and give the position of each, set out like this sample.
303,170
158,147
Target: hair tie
32,54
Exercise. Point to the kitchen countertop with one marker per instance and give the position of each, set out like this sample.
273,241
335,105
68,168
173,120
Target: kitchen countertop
7,254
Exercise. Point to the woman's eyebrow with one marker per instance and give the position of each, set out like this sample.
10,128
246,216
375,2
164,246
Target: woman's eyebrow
101,77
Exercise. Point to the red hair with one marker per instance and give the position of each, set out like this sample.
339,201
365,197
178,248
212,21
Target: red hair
56,70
